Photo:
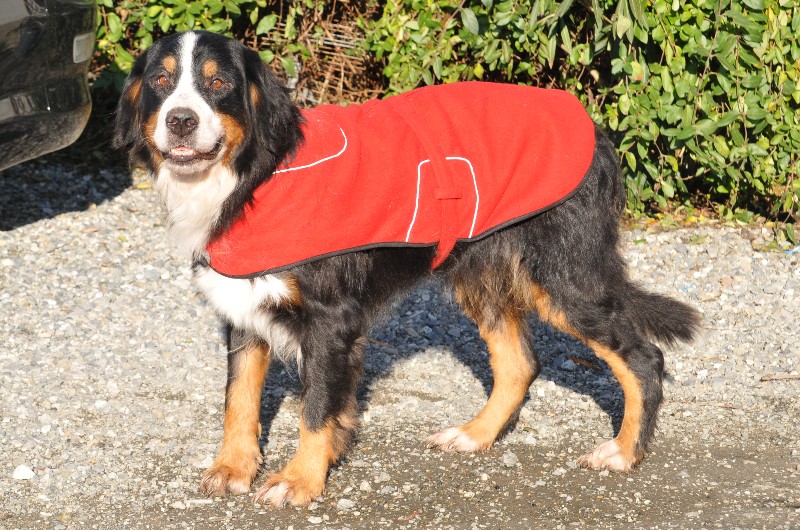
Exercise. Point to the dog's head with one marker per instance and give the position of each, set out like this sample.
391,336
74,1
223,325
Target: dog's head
197,104
197,99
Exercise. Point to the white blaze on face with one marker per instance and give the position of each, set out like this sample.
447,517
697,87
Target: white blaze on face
209,128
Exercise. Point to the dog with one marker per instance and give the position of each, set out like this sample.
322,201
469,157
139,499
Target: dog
236,164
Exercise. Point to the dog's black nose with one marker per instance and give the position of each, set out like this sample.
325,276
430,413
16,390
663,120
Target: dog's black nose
181,121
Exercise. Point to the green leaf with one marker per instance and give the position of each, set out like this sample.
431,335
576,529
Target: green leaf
668,188
266,24
790,233
744,21
114,27
624,103
470,20
267,56
152,11
637,71
630,158
437,66
757,5
721,146
164,22
637,10
706,127
563,8
288,66
623,25
427,77
756,150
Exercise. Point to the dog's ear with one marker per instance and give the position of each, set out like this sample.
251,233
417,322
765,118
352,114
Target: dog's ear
127,122
275,119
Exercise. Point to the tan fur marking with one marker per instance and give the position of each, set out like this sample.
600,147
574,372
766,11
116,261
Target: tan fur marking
149,135
547,313
210,68
303,479
234,135
512,378
254,95
134,91
238,459
628,437
169,63
295,298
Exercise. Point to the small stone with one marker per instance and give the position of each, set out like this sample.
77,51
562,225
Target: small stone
568,365
510,459
364,486
344,504
454,331
383,477
178,505
314,519
23,472
198,502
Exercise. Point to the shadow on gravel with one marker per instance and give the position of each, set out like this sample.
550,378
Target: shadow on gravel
39,190
552,348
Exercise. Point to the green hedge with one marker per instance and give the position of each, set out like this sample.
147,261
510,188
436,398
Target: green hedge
702,96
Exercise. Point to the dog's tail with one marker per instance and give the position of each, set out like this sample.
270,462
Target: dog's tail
662,318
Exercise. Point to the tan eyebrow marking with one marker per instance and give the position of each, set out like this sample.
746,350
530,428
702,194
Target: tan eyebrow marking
169,64
210,68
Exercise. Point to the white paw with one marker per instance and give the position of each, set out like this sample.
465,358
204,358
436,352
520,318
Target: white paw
277,495
607,455
219,479
453,439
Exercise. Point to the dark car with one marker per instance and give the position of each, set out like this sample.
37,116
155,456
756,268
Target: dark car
45,50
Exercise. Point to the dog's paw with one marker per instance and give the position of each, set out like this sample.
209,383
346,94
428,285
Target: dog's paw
609,455
454,439
282,489
219,479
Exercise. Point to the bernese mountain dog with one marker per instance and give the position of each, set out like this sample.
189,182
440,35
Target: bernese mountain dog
302,225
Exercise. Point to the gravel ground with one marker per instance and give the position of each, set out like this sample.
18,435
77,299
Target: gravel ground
113,373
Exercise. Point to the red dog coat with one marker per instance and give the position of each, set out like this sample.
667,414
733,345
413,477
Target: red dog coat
433,166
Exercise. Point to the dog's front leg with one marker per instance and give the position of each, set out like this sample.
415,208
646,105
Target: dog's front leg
238,460
332,360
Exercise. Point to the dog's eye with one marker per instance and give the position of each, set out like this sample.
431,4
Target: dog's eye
216,83
162,80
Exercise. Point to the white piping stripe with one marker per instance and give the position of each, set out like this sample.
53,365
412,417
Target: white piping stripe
416,202
321,160
474,183
477,195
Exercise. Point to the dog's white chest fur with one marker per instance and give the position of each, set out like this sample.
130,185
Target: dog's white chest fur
248,304
193,204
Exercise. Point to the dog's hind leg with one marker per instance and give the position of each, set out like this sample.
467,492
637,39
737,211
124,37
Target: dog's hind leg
238,460
635,362
491,302
332,359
